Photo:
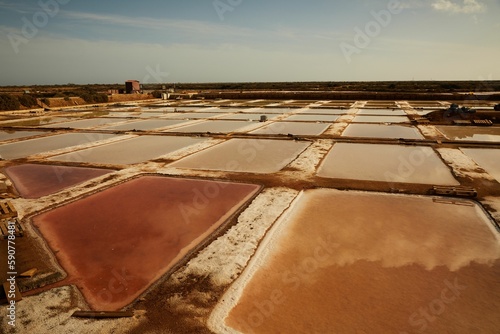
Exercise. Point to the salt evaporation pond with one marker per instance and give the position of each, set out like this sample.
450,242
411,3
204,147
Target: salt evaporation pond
381,131
323,111
40,145
35,181
384,112
353,262
137,231
245,155
215,126
130,151
11,134
488,134
194,115
248,116
489,159
381,119
270,110
386,163
40,121
84,123
294,128
313,118
145,125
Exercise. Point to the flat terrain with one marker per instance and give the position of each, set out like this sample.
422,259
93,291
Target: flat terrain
189,212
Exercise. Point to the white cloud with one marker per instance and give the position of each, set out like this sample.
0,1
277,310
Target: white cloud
190,26
459,7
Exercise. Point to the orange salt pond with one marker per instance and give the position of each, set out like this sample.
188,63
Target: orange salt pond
34,181
353,262
116,243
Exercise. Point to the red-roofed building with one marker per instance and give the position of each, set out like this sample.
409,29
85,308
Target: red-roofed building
132,87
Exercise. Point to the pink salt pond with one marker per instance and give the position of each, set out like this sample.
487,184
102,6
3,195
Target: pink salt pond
118,242
34,181
352,262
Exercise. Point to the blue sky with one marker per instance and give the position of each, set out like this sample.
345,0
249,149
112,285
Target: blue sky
76,41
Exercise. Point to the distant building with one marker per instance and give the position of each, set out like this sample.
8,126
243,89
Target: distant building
132,87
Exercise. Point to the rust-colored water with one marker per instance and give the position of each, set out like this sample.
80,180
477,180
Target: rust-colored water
34,181
116,243
347,262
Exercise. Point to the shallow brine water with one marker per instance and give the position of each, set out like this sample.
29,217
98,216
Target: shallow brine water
34,181
382,131
130,151
10,134
294,128
245,155
40,145
386,163
385,112
489,159
381,119
349,262
84,123
313,118
488,134
215,126
118,242
145,125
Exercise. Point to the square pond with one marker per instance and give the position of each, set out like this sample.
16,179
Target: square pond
294,128
486,134
386,163
245,155
381,119
40,145
353,262
130,151
488,159
382,131
139,230
35,181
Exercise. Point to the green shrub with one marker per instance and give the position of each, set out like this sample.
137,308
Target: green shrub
91,97
28,101
8,102
156,94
